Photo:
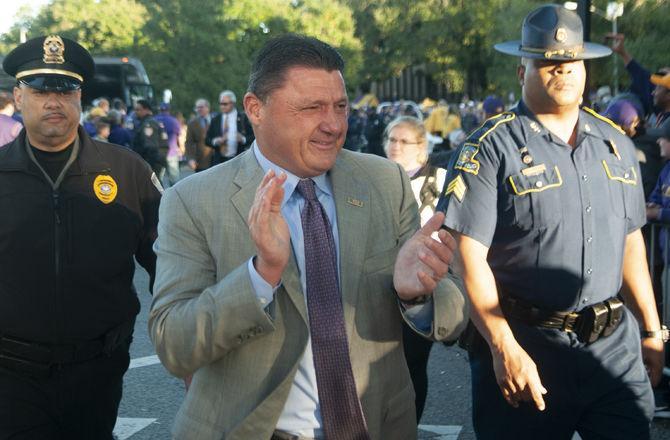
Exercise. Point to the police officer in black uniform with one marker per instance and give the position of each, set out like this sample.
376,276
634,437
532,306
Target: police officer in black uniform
74,214
150,139
546,204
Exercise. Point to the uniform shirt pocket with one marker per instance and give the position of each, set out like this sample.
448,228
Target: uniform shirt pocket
536,197
622,179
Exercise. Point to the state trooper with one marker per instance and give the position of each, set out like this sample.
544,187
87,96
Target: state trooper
546,203
75,213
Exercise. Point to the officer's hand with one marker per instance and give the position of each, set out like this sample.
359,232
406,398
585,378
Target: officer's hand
423,261
652,355
517,376
269,230
192,164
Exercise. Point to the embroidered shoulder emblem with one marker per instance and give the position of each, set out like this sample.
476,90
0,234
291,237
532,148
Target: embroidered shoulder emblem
466,157
604,119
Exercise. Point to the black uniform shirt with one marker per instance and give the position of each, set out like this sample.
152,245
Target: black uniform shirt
555,218
150,141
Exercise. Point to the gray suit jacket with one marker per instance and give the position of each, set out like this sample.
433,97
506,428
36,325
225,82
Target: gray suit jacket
207,321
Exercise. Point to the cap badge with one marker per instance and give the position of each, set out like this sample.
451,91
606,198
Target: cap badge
54,48
105,188
561,35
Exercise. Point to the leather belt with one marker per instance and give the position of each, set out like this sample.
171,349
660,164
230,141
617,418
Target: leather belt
20,351
523,311
590,324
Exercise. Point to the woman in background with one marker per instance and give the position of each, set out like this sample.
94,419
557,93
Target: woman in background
406,143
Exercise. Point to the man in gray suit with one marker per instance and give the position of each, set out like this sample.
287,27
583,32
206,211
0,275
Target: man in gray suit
283,291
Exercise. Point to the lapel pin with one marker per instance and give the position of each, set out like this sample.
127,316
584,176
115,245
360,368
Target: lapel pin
354,202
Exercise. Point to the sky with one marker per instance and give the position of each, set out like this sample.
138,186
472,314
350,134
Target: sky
11,7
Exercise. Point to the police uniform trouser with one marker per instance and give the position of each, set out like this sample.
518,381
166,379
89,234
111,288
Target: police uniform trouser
77,401
600,390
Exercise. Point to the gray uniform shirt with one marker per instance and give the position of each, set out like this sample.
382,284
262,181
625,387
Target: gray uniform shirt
555,218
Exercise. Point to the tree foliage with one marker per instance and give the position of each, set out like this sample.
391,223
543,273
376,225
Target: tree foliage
200,48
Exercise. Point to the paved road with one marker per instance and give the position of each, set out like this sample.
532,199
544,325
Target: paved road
152,397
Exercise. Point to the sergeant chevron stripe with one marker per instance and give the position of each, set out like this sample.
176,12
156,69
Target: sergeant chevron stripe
457,187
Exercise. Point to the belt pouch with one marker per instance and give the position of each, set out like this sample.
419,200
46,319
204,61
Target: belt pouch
614,317
591,323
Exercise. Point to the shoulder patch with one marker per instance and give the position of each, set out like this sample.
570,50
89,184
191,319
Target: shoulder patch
466,156
604,119
156,182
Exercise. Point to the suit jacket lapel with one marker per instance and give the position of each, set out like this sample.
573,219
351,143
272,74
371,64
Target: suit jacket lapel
249,176
352,204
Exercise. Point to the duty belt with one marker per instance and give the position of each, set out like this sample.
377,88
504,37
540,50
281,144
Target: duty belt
589,324
21,355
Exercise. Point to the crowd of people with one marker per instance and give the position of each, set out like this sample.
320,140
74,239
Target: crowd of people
298,285
447,124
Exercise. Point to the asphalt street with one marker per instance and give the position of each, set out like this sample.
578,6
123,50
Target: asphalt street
152,396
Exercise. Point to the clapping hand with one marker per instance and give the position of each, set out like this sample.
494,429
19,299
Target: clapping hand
269,230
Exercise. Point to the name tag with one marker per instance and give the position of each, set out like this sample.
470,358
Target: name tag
534,171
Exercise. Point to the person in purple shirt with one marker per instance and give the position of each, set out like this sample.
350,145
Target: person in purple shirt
9,127
172,128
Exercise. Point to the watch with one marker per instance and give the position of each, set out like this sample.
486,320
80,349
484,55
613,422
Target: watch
663,334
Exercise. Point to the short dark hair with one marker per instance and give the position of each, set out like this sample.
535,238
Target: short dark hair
284,52
144,104
101,123
5,100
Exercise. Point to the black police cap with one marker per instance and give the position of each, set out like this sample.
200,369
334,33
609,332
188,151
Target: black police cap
51,63
553,32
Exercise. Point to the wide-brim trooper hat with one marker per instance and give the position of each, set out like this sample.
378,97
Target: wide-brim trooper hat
552,32
50,63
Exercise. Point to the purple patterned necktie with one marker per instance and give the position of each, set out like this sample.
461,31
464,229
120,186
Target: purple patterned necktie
340,408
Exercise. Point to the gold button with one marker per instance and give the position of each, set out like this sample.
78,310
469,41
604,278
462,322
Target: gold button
587,127
539,184
442,331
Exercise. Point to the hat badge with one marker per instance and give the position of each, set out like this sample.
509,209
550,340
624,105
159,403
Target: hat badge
561,35
54,48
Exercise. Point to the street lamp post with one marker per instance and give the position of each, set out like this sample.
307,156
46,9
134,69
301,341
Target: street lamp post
614,11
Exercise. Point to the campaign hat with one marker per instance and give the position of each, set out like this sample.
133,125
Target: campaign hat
553,32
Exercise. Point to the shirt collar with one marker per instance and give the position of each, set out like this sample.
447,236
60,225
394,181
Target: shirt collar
321,181
533,127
